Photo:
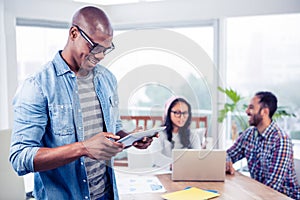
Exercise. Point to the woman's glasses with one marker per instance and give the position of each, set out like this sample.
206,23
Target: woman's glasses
179,113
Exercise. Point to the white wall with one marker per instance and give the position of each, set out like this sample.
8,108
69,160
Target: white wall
170,12
3,75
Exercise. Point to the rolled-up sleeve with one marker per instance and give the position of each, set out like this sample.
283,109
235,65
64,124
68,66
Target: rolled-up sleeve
30,120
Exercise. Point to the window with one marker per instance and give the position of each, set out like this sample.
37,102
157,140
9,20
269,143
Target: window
36,46
263,54
202,35
149,73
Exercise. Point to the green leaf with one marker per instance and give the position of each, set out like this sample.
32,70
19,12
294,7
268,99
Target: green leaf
281,112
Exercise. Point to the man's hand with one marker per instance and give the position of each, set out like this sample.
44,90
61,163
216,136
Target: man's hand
99,147
229,168
145,142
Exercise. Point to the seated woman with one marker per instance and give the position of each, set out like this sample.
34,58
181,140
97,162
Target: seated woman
177,135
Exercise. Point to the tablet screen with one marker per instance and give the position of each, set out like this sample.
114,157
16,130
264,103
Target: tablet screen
131,138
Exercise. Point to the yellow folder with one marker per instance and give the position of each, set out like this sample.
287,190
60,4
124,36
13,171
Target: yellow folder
190,194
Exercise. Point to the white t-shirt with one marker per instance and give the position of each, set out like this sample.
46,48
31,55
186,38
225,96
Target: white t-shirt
166,145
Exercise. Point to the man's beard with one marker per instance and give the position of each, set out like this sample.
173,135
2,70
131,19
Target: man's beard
256,119
88,65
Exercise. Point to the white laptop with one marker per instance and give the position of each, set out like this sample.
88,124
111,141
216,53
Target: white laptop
198,165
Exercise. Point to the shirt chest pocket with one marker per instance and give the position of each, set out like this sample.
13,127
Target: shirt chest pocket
113,107
114,101
61,117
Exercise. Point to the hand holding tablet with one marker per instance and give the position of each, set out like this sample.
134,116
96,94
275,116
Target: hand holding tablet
133,137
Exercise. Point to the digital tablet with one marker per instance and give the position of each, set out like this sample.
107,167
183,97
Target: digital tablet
131,138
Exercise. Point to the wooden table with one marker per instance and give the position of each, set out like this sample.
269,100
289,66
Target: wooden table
236,186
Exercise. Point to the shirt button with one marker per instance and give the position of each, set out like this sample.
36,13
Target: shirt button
84,180
81,163
79,110
86,197
79,127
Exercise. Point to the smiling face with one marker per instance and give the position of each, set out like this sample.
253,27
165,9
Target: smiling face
88,57
90,39
179,114
255,112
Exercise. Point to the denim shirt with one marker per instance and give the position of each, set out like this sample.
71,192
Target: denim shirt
47,114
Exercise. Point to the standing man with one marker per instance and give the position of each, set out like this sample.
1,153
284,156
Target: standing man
67,118
268,150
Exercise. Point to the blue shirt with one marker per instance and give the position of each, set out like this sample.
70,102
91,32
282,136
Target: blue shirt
47,113
270,158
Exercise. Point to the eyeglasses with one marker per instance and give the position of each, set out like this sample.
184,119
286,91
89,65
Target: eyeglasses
179,113
96,48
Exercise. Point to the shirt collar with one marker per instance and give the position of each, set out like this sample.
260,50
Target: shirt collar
60,65
268,130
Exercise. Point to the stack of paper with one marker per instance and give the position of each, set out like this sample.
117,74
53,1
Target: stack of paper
190,194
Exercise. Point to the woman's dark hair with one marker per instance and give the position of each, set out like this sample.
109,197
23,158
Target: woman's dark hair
268,100
184,132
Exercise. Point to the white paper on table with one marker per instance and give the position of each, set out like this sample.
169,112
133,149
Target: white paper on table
133,184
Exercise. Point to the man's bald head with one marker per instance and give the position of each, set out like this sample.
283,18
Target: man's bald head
92,19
